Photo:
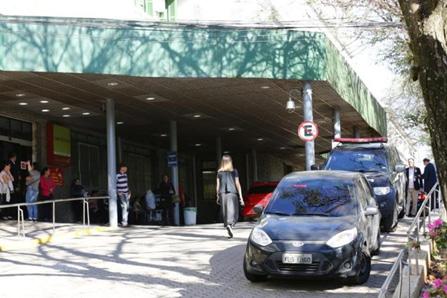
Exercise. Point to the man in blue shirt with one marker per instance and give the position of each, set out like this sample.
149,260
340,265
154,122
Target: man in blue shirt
122,188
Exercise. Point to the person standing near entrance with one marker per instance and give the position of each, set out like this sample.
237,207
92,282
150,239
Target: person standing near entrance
32,190
412,187
6,188
167,191
46,190
430,179
122,188
229,193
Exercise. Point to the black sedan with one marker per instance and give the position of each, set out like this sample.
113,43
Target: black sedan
317,224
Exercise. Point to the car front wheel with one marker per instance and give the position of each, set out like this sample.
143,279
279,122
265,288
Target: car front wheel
253,277
364,271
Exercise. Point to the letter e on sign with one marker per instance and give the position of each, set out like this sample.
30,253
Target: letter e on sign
308,131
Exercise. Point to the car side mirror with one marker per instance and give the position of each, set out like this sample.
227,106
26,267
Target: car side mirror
370,211
258,209
399,168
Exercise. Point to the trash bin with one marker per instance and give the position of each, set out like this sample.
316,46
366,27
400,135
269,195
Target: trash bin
190,214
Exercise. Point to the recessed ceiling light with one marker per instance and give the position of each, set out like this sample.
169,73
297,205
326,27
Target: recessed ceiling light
163,135
23,103
119,123
66,116
197,115
265,87
112,84
198,145
150,98
231,129
45,110
44,101
20,94
65,108
85,113
260,139
282,148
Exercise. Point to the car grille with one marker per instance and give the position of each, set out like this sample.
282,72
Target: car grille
304,268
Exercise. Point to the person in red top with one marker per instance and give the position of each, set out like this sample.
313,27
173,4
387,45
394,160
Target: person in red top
46,189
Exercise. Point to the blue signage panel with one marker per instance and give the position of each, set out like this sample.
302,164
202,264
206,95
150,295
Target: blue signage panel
172,159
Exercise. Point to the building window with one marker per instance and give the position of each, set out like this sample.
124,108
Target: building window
163,10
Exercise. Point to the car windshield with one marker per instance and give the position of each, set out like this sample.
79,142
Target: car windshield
357,161
320,197
264,189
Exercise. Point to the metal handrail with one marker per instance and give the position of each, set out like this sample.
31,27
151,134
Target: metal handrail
20,215
415,223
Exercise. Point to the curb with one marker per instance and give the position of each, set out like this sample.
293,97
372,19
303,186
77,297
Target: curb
26,243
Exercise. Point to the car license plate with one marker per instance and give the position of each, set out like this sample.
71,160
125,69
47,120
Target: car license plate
289,258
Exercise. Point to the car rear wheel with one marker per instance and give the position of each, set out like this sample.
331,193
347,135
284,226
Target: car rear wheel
253,277
389,223
365,269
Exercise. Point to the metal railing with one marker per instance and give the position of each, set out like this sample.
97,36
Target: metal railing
21,219
414,233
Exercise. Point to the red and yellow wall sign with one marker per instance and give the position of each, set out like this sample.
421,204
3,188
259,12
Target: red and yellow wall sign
58,145
57,175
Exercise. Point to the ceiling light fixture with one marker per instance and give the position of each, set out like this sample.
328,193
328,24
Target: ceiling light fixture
163,135
282,148
85,113
66,116
23,103
119,123
66,108
44,101
260,139
197,115
198,145
45,110
265,87
112,84
150,98
231,129
20,94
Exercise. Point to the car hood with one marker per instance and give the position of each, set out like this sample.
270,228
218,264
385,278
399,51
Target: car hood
377,178
305,228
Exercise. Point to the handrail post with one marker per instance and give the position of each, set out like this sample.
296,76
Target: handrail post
87,207
54,216
429,208
18,221
83,211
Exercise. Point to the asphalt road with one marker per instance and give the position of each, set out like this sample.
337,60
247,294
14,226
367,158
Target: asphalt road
164,262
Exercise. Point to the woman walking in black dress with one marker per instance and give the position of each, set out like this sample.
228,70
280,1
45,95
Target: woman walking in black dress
229,193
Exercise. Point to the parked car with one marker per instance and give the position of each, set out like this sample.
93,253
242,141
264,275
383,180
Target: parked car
317,224
384,169
258,194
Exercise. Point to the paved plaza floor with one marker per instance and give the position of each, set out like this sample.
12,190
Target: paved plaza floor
152,261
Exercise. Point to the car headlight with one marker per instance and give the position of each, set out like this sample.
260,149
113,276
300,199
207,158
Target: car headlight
381,191
260,237
342,238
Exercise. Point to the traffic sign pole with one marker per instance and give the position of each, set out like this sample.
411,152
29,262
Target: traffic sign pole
308,116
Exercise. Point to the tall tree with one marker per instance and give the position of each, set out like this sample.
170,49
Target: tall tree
426,23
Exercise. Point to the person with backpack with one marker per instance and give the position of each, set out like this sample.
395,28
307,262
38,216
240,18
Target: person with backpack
229,193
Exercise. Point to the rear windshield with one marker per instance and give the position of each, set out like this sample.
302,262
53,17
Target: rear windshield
357,161
265,189
321,197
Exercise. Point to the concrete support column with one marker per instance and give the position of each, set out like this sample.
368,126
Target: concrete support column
218,150
337,124
247,171
356,132
174,169
255,165
194,179
308,116
111,162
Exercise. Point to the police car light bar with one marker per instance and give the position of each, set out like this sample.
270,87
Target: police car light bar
362,140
